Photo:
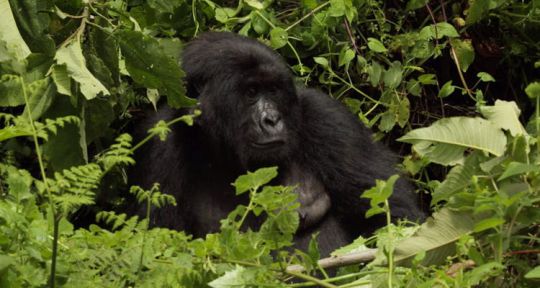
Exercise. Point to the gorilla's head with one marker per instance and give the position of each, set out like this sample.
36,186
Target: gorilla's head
247,97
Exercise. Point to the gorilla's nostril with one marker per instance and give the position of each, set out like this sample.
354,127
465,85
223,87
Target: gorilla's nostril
271,121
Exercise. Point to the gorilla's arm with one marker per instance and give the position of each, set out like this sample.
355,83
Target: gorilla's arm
341,151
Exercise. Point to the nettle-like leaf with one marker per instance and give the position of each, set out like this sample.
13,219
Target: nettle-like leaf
517,168
71,55
254,180
379,194
464,52
278,37
533,90
376,46
479,9
446,140
438,31
148,65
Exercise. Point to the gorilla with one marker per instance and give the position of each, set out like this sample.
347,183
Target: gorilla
254,116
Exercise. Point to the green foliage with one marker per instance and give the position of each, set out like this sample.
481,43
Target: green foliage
73,74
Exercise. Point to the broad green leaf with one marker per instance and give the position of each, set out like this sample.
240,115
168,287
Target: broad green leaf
446,140
392,77
533,90
61,79
505,115
259,24
310,4
71,55
534,273
103,59
427,79
464,52
446,89
278,37
487,223
437,237
376,46
458,178
149,66
438,31
416,4
63,149
478,9
254,180
374,72
387,120
517,168
403,112
40,97
414,87
345,57
98,116
337,8
223,14
255,4
483,272
485,77
164,6
238,277
321,61
33,24
10,33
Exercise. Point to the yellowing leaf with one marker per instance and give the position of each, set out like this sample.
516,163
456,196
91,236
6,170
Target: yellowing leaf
71,55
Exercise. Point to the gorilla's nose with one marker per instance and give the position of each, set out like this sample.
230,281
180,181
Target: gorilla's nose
271,121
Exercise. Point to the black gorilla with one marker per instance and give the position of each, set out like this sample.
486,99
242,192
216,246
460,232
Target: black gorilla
254,116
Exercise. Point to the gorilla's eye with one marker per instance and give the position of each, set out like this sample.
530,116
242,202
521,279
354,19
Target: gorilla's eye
251,92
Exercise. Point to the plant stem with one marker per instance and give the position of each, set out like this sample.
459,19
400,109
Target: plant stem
148,208
56,224
391,251
309,278
248,208
307,15
45,183
151,135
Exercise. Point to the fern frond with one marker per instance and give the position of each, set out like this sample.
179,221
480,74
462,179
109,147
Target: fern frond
75,187
116,220
118,154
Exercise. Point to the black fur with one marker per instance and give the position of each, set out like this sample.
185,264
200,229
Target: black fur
247,97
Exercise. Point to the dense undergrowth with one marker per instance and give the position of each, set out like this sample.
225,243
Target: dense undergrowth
455,79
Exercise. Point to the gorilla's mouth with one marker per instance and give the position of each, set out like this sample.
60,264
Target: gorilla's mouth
270,144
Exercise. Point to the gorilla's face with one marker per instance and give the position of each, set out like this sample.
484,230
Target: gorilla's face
247,97
256,114
267,130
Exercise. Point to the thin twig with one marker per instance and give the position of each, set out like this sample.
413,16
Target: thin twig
339,261
351,37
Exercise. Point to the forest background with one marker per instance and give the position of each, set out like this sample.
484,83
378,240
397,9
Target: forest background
450,85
